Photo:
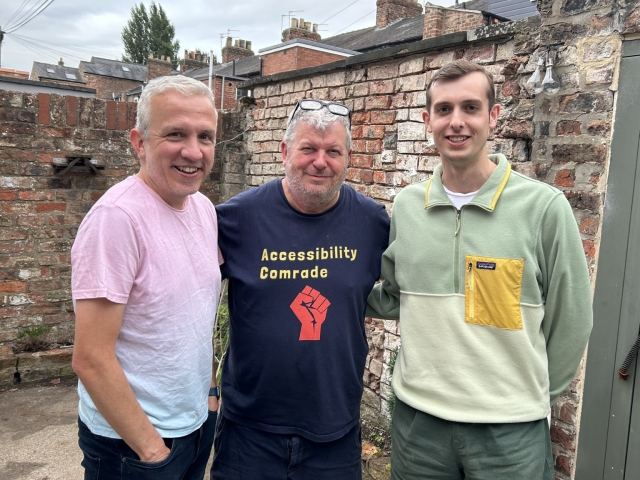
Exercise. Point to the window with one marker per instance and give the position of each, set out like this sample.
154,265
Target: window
125,69
70,76
50,70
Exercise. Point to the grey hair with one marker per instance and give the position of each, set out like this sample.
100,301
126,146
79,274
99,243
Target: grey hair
319,120
159,85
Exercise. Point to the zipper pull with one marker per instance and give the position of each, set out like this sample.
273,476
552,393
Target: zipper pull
469,266
457,223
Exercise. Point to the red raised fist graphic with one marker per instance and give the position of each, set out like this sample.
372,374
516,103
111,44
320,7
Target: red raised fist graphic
311,309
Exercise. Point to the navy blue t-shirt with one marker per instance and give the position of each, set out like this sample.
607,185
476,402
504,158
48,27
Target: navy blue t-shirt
298,285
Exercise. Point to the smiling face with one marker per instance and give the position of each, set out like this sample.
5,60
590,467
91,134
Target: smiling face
460,119
178,153
315,166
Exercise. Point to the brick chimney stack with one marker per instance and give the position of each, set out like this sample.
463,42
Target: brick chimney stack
158,67
442,20
240,49
193,59
388,11
301,29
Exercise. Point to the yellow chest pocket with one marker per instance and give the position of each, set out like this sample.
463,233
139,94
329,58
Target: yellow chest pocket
492,291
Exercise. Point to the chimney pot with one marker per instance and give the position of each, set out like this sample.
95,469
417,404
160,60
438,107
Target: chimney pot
315,28
186,54
243,44
60,62
150,55
294,23
168,58
248,45
301,22
229,41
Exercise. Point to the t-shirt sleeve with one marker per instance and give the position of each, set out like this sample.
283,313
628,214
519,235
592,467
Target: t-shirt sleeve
105,256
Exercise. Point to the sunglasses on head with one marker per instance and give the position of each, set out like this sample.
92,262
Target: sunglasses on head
311,104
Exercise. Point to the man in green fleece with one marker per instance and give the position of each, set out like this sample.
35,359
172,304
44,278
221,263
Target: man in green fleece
486,271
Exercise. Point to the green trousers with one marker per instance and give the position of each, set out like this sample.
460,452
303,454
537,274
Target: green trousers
427,447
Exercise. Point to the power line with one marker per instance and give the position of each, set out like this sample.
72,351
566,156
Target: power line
89,51
325,21
30,16
354,22
17,12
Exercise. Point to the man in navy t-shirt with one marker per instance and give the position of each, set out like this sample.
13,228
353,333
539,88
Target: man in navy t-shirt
301,255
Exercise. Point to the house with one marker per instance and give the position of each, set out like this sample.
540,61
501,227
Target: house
18,84
59,73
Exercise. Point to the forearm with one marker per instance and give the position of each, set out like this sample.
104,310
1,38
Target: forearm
213,401
109,390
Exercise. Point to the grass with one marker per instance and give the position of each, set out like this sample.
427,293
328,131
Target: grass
221,331
43,337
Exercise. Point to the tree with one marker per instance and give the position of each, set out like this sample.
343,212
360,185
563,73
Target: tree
149,33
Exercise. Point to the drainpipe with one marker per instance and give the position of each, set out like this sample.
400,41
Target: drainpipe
210,68
222,95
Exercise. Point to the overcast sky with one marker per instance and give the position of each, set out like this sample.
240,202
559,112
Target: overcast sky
78,29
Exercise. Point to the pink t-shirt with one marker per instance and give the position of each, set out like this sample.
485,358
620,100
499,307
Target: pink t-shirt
163,263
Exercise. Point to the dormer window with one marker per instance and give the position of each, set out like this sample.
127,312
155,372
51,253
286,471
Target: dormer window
70,76
50,70
126,69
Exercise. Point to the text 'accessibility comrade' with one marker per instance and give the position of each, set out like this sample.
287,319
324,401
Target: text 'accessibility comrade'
319,253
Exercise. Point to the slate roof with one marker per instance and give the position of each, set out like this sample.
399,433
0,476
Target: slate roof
372,38
59,72
113,68
302,41
245,67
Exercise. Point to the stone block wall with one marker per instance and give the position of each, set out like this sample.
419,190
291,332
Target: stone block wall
40,210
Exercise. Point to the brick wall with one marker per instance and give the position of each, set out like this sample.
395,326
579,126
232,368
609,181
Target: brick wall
388,11
40,210
107,86
294,58
441,21
240,49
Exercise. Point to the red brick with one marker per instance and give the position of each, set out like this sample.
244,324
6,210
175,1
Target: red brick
374,146
383,117
358,118
16,207
72,116
568,127
373,131
122,116
590,225
361,161
43,108
50,207
564,178
111,115
35,195
379,176
7,194
589,248
14,286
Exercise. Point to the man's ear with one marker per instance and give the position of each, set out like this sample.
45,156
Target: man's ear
493,115
283,151
427,120
137,142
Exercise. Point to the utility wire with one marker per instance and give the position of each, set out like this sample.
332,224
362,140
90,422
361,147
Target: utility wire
17,12
25,16
40,8
325,21
24,41
90,51
354,22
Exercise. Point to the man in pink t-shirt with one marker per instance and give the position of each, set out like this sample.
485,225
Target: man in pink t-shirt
145,283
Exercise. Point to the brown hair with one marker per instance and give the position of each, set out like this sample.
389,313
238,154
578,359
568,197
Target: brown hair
458,69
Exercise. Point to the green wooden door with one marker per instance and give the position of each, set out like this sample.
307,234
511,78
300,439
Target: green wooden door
609,441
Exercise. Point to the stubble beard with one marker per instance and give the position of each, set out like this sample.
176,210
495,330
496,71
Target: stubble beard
308,197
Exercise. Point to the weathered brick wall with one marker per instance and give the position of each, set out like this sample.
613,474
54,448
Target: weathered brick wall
291,33
106,86
229,101
230,53
40,210
294,58
560,138
388,11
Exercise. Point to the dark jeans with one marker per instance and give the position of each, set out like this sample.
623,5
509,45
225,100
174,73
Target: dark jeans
112,459
244,453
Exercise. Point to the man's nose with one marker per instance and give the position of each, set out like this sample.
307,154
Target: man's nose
321,159
457,119
191,149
